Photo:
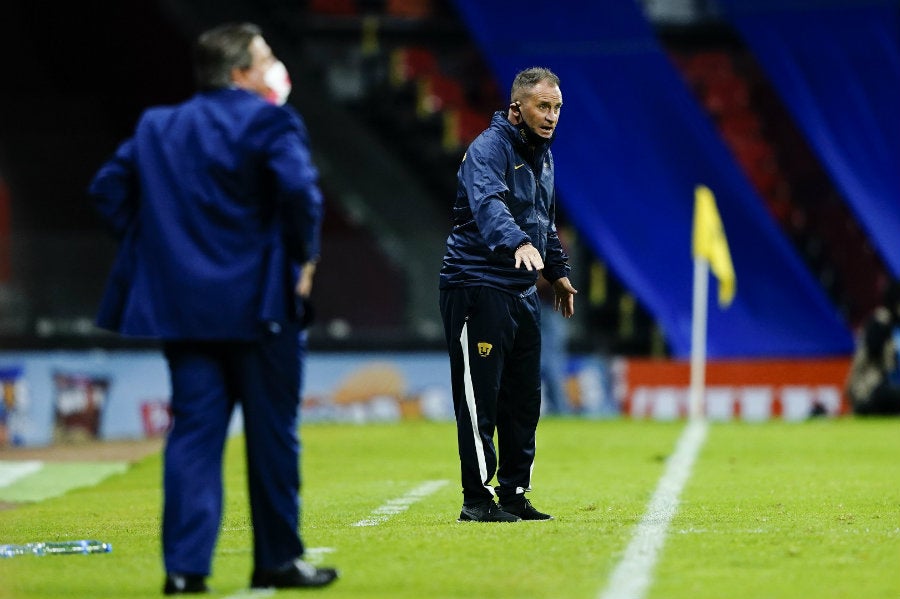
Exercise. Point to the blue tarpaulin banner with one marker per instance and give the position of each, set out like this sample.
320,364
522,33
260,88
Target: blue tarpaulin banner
836,67
631,147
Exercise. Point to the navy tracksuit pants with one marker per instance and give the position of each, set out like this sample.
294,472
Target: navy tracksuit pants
208,379
494,341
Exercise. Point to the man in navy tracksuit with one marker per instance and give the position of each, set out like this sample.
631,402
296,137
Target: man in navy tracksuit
503,234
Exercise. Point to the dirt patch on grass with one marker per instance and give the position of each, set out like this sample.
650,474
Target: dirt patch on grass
86,451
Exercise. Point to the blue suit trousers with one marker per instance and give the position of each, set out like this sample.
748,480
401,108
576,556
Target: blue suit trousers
208,379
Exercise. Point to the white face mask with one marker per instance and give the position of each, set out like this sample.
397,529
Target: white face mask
278,82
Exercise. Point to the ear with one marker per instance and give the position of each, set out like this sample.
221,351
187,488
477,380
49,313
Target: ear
515,113
237,75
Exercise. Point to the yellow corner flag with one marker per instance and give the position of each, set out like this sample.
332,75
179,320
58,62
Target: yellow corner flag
709,242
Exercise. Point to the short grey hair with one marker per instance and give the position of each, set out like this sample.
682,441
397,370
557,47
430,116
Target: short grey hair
221,49
528,78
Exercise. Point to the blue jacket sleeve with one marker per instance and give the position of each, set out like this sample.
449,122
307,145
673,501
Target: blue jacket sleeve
556,263
484,176
297,191
114,190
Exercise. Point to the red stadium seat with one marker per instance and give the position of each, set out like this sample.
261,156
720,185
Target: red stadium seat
726,94
412,62
409,9
438,92
704,66
333,7
740,124
461,126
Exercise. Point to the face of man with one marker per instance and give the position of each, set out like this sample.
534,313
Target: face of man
540,108
253,78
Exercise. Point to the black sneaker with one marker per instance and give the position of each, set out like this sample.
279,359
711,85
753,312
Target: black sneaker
297,574
185,584
521,507
485,512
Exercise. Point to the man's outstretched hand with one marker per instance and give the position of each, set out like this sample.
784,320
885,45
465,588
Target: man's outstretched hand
564,300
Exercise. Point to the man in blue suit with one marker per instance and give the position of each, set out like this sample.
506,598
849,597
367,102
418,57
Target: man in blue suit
217,210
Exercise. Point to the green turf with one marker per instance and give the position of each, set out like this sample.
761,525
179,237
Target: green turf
56,478
771,510
788,510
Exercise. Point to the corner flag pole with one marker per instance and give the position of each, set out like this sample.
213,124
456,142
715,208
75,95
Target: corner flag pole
710,249
698,338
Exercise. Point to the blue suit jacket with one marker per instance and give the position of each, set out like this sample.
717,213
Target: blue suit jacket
216,205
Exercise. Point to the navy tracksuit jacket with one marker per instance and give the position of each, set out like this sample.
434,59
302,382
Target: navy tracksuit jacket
491,311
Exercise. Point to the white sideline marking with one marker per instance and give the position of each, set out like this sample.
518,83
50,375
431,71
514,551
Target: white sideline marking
10,472
631,578
714,531
392,507
381,514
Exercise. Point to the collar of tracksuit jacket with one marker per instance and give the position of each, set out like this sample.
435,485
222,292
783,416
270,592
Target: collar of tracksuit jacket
528,144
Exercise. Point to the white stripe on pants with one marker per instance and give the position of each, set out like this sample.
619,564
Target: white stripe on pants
473,411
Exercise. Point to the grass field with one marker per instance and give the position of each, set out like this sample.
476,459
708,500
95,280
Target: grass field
775,510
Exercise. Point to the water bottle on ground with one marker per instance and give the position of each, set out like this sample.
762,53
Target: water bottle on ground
83,547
